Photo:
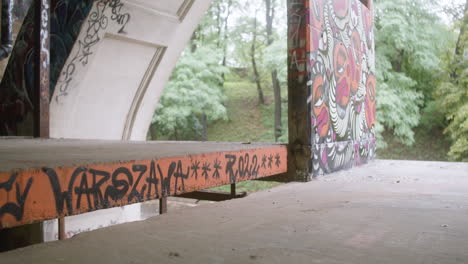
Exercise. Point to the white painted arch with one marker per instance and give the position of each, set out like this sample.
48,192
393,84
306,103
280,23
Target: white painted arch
119,66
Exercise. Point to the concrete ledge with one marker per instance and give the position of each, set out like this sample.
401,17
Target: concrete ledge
46,179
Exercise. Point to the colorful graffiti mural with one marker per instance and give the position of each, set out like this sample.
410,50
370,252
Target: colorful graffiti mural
331,53
16,89
342,84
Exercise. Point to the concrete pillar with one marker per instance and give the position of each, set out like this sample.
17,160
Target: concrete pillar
33,233
331,74
299,159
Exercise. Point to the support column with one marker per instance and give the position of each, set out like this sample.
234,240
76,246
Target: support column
42,69
233,190
26,235
163,205
299,152
331,74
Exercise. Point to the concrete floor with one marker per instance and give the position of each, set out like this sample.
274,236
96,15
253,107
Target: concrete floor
385,212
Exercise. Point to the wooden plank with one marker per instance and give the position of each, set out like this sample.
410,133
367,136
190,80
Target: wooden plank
41,193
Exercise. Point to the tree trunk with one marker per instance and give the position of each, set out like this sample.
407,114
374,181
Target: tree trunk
270,15
205,128
193,40
277,94
218,23
460,48
261,98
460,42
225,41
397,64
153,131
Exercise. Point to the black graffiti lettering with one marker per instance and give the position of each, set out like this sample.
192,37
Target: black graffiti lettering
217,167
83,189
121,19
195,167
98,197
17,210
77,172
135,193
247,163
9,184
180,175
166,181
229,167
97,22
264,160
240,167
254,168
277,160
60,197
119,188
243,166
152,180
103,189
206,169
270,161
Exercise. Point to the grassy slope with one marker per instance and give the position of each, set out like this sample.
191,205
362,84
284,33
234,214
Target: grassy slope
428,145
249,186
248,122
245,116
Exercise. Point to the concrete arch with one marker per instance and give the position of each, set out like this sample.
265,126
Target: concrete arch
119,65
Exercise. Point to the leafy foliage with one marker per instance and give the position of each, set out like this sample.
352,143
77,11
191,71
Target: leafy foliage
409,41
275,58
194,90
452,93
243,37
452,97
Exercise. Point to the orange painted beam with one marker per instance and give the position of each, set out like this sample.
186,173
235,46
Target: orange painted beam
33,195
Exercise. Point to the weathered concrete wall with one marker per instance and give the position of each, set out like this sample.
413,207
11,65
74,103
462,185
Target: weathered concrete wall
331,61
17,95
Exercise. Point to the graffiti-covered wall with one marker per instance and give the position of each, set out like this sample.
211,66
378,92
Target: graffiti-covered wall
332,55
16,89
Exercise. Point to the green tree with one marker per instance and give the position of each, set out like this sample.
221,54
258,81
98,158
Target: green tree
275,58
409,41
270,7
194,92
452,94
248,35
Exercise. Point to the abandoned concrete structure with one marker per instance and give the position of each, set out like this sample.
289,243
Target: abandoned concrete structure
84,79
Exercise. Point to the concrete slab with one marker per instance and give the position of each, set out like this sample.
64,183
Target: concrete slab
385,212
20,154
56,178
